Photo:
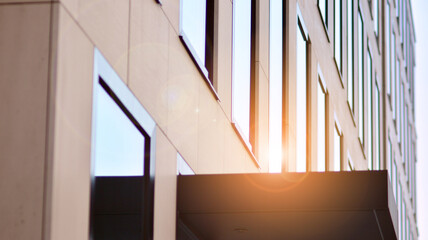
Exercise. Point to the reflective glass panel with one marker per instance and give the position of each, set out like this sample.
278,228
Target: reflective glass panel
241,66
119,147
275,86
193,17
351,54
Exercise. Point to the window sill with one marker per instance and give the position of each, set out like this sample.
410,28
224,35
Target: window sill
201,68
247,144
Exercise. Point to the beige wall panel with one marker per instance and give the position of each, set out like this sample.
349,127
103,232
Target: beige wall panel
223,75
72,136
24,1
171,8
262,107
148,58
183,100
106,24
210,132
262,31
24,44
72,7
290,86
234,156
165,188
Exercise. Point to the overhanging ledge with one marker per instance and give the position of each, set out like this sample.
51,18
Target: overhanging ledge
330,205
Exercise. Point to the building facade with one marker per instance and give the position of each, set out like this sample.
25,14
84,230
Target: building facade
150,89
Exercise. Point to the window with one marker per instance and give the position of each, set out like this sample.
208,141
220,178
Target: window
197,33
338,34
400,212
403,122
398,98
377,127
407,228
275,86
402,18
394,178
403,219
323,8
321,124
301,96
388,47
406,141
351,54
350,166
397,8
360,78
122,160
408,147
394,77
337,139
371,165
376,16
241,68
389,152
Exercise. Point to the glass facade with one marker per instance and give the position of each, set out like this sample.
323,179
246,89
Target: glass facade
370,131
376,16
193,22
388,47
350,41
275,86
361,52
377,128
241,67
338,34
394,78
323,8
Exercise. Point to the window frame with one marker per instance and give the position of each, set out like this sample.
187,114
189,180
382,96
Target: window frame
350,58
205,66
105,77
248,141
361,79
339,35
324,19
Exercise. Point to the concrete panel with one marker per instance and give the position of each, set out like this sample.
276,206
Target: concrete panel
106,22
262,33
183,100
165,188
72,6
210,132
171,9
148,58
262,101
23,1
72,132
24,44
